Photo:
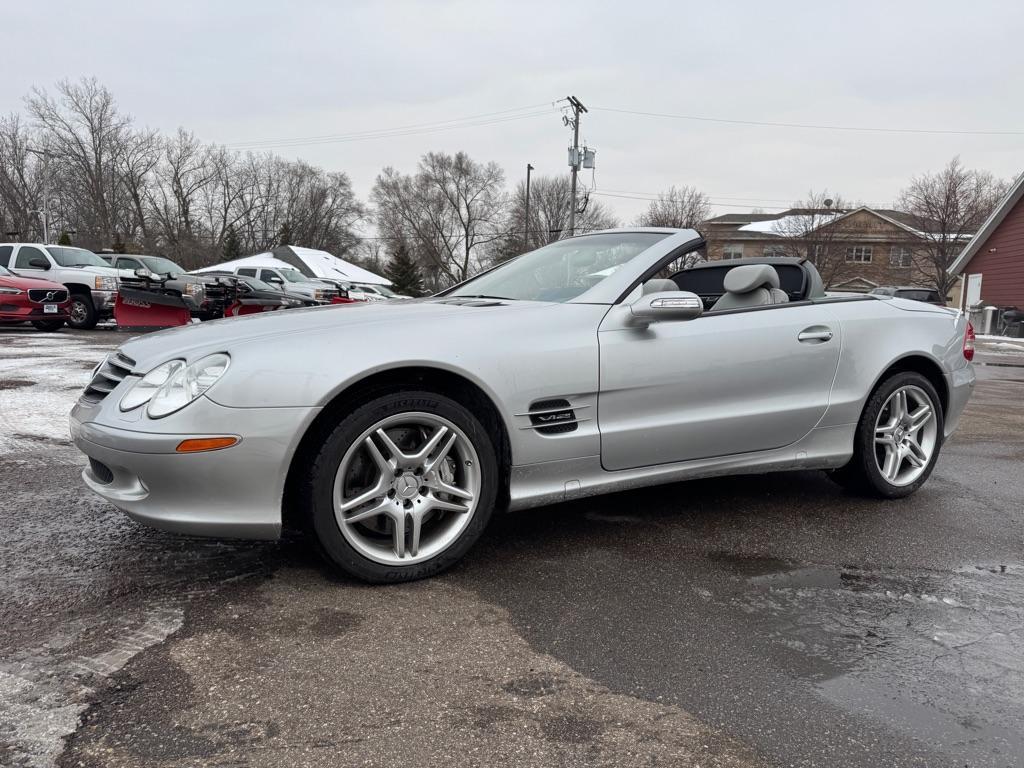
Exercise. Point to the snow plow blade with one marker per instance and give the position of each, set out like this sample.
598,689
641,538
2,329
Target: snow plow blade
146,309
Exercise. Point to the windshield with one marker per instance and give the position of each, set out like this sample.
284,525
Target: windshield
75,257
562,270
161,266
293,276
383,290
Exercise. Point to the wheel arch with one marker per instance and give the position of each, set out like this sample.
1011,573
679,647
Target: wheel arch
78,288
441,381
922,364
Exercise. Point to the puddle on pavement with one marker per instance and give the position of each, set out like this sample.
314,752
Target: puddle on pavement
937,654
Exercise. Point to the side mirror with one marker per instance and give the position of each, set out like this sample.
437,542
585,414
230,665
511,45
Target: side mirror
38,263
145,274
666,305
275,279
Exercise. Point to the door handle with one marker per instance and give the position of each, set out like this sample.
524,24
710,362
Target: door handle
817,334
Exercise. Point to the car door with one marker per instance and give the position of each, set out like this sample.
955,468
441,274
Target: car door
723,383
22,262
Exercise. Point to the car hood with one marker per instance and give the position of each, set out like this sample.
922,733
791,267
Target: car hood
342,323
104,271
25,283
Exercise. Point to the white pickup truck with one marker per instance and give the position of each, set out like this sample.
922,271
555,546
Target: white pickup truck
91,282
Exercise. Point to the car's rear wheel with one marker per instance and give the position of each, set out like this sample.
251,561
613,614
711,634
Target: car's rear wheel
898,438
48,325
82,314
402,487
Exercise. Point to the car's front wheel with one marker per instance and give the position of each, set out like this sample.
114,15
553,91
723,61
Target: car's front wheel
82,314
898,438
402,487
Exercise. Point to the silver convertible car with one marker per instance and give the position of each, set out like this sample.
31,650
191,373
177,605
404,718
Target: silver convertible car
392,431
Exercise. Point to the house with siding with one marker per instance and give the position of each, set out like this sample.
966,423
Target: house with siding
992,263
855,249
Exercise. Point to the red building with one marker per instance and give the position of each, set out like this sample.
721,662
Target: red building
992,263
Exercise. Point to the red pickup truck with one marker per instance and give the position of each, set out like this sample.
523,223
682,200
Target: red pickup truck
40,302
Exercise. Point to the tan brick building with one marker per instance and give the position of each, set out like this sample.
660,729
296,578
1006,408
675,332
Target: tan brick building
855,250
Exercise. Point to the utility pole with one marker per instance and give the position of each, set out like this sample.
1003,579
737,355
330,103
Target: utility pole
45,213
526,228
574,157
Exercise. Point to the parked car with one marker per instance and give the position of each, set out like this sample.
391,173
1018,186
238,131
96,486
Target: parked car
380,290
91,281
27,300
927,295
392,432
158,265
165,277
292,281
256,288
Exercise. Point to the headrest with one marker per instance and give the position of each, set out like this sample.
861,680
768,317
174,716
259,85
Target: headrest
750,277
657,285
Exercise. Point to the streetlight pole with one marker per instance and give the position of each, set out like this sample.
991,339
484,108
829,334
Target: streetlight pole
45,212
526,228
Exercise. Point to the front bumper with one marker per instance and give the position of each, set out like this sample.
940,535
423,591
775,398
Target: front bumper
960,385
235,492
31,312
104,302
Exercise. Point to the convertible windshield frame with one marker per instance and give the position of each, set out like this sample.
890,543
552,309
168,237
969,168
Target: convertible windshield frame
614,254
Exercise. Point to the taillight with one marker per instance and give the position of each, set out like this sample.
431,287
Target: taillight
969,343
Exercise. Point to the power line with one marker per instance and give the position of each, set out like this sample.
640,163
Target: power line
811,126
488,118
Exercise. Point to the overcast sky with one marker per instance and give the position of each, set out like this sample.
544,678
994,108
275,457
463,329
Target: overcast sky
251,71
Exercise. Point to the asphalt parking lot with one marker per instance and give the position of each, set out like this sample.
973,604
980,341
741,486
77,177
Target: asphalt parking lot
765,620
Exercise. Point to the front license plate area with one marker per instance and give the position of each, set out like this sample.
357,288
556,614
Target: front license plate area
49,309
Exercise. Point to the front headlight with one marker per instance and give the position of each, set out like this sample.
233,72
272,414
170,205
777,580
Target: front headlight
104,283
186,384
10,291
194,289
144,390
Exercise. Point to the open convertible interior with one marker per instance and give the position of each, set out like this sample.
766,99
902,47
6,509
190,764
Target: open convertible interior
746,283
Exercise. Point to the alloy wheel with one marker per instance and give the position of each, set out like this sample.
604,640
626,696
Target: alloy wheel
906,435
407,488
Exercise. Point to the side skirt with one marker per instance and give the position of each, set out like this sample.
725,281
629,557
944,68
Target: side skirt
533,485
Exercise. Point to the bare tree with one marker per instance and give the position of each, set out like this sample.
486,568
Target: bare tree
815,230
20,179
450,210
683,207
83,129
948,207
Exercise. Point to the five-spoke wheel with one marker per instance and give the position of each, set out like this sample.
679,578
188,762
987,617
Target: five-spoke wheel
406,488
905,435
402,487
898,438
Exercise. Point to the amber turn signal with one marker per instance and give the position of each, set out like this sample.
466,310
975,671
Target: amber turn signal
198,444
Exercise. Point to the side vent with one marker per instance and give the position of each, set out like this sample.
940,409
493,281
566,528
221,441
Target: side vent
553,417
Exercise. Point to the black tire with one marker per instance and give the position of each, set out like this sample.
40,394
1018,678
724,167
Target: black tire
862,475
317,491
48,325
82,314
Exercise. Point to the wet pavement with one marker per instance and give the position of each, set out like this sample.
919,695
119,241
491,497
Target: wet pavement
764,620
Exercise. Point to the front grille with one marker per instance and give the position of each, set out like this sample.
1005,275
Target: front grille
110,373
40,295
101,471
